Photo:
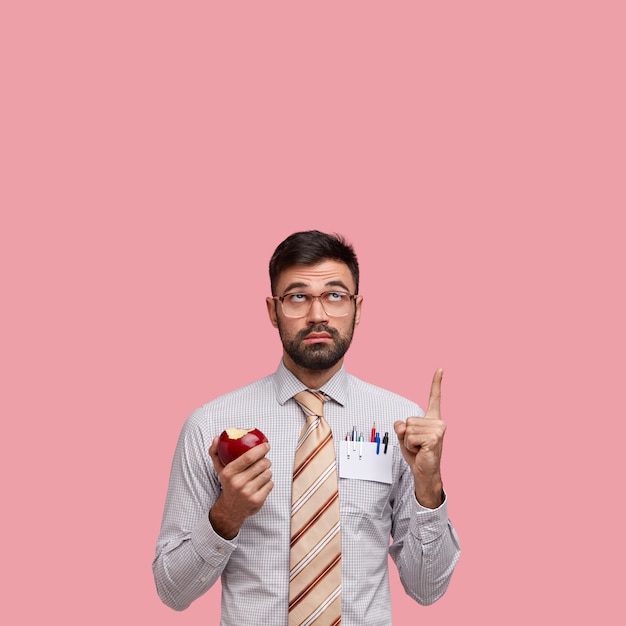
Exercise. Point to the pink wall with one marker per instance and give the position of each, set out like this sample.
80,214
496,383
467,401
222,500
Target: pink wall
154,153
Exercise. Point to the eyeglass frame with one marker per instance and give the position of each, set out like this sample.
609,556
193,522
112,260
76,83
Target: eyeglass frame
351,296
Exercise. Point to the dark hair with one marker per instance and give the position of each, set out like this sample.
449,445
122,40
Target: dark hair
311,247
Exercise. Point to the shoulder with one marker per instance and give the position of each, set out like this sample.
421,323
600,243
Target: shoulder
227,409
232,409
252,392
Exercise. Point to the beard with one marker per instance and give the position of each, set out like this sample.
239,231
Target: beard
317,356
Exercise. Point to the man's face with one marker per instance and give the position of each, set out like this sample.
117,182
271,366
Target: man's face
316,341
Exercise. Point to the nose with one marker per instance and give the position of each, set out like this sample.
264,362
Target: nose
317,313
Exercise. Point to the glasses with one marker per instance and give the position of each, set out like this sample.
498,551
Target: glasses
334,303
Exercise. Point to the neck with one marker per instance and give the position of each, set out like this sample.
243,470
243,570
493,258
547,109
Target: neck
312,379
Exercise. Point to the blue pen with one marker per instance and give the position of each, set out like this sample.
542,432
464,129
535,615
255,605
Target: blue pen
354,437
377,443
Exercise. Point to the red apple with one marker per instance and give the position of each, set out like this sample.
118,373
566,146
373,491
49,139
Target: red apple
233,442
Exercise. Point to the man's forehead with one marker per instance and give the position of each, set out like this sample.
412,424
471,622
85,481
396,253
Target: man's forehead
327,273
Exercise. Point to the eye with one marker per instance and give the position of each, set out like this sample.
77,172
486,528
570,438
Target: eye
297,298
335,296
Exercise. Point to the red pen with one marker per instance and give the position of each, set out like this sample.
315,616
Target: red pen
373,439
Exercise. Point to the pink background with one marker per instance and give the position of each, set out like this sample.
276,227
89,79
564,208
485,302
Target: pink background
153,155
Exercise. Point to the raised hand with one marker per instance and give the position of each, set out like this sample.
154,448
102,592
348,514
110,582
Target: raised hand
421,444
246,483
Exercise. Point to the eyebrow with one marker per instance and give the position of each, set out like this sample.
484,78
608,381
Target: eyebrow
330,283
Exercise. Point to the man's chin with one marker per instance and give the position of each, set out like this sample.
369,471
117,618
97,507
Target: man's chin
318,357
317,366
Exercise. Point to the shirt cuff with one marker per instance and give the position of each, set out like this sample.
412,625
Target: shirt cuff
429,524
209,545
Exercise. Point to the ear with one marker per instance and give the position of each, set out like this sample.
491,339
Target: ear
359,302
271,311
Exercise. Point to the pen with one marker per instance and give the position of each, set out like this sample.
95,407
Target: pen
377,443
348,444
386,441
373,439
354,437
361,440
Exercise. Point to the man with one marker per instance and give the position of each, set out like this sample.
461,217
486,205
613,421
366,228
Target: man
233,522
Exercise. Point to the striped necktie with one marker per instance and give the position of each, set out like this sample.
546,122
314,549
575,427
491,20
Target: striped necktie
315,554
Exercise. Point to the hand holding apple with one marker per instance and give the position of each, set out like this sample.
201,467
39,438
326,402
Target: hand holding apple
245,481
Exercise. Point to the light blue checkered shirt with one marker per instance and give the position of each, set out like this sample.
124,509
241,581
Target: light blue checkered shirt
254,567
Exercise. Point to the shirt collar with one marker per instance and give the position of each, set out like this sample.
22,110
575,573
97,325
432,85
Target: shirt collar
287,385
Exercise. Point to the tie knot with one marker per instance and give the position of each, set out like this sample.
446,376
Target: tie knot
311,402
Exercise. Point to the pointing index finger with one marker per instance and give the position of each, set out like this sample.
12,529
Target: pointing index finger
434,402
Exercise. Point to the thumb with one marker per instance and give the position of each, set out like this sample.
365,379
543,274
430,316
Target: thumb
217,464
400,428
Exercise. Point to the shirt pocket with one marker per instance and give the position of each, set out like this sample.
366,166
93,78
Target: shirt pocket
363,498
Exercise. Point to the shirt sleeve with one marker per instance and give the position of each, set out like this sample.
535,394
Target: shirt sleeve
190,555
425,545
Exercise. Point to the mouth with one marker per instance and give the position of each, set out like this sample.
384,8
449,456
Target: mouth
317,338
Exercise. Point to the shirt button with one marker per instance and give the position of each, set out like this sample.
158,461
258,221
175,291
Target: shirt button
221,550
